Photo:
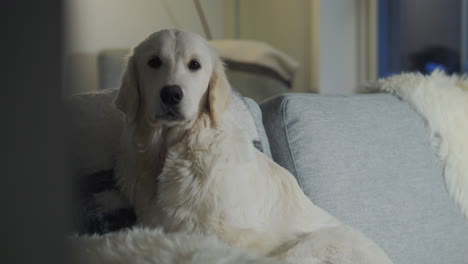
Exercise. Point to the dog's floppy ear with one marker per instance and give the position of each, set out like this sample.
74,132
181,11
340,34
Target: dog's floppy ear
219,92
128,97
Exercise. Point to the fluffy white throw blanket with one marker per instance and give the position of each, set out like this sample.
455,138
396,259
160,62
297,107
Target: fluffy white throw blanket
153,246
443,101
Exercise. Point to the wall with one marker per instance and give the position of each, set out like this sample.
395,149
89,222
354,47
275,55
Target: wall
93,25
338,38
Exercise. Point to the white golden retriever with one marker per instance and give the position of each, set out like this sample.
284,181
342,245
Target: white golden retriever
188,165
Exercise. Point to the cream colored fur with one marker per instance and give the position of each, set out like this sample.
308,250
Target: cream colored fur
202,175
443,101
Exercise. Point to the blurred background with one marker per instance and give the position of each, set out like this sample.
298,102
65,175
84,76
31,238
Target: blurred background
419,35
337,44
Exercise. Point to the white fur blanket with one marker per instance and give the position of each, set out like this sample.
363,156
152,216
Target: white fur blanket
153,246
443,101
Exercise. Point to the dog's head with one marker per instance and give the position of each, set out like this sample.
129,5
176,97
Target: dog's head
170,78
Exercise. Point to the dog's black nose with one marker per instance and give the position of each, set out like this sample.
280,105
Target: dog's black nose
171,94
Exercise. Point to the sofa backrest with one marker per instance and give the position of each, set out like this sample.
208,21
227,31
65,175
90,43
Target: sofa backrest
367,159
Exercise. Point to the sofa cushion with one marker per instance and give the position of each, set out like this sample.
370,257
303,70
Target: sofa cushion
367,159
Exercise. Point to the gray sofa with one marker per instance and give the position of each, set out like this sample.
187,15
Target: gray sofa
366,159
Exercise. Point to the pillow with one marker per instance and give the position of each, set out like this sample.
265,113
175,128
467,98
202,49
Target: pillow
257,69
257,56
367,159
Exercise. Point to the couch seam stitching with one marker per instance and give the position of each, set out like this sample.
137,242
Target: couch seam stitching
298,178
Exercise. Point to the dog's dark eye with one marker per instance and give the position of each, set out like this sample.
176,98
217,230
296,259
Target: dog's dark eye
155,62
194,65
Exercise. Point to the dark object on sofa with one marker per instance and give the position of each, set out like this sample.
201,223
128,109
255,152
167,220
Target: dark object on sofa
95,215
436,56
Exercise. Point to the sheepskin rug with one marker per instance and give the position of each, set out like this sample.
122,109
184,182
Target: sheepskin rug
443,101
153,246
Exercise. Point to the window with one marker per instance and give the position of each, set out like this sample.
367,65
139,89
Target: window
422,35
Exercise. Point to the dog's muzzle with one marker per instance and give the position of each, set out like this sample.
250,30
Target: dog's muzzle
171,96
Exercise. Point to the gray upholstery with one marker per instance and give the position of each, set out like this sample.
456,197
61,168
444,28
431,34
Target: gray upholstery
367,159
257,115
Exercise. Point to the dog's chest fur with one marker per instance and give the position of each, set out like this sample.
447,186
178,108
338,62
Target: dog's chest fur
202,188
213,181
